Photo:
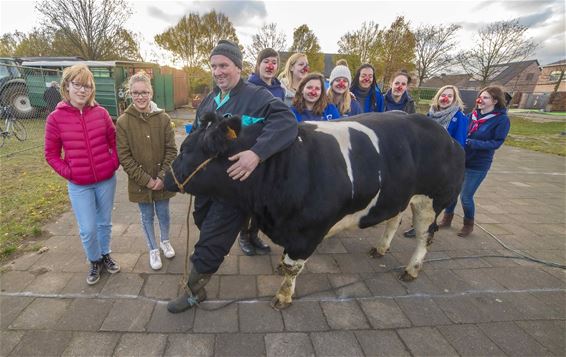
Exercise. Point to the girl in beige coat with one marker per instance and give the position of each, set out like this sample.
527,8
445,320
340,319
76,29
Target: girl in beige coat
146,148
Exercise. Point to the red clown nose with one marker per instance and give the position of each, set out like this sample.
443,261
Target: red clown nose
305,69
399,88
313,93
270,67
444,100
479,101
341,84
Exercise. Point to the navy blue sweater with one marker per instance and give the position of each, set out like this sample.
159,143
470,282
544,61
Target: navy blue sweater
481,145
330,113
275,87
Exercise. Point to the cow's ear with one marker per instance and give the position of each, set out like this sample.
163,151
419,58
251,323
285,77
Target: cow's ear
231,127
208,119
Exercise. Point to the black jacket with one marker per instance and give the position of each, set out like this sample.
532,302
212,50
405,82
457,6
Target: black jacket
255,104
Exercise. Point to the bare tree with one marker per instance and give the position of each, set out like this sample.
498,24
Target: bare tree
267,37
362,43
93,28
496,44
432,49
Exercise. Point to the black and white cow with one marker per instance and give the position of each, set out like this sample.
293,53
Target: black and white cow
355,172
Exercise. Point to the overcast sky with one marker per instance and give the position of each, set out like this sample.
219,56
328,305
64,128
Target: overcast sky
331,19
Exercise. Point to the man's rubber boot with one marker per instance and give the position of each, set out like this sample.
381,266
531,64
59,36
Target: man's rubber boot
192,295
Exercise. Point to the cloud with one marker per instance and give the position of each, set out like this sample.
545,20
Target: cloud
533,20
241,13
156,12
520,7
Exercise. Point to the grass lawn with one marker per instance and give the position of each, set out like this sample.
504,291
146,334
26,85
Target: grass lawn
32,193
548,137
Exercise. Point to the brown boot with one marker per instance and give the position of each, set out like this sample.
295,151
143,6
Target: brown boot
446,220
467,228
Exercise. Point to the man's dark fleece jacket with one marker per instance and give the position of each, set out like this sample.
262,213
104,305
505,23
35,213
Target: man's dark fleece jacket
255,104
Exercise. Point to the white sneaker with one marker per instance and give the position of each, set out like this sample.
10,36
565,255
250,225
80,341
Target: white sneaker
155,259
167,249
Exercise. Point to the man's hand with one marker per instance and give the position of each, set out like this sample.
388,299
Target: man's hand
246,162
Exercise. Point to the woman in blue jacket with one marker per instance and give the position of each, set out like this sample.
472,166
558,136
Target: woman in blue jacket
311,102
489,126
366,90
446,110
266,71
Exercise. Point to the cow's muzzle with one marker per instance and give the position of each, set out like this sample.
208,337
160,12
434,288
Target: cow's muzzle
180,185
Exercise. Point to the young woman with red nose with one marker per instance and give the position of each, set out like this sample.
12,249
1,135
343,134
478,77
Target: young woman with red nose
446,110
311,103
488,129
296,69
80,145
339,92
265,74
146,148
397,97
366,90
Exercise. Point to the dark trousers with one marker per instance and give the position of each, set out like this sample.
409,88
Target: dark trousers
219,224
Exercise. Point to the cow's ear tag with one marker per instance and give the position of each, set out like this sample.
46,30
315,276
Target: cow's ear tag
231,134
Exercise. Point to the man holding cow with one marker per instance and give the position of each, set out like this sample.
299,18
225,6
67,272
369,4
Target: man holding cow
220,222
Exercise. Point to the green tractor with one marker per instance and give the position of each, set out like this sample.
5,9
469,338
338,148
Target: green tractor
13,89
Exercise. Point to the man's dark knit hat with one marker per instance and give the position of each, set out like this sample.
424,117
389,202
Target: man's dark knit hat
230,50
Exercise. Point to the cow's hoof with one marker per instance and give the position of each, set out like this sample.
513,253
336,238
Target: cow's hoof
278,305
406,277
374,253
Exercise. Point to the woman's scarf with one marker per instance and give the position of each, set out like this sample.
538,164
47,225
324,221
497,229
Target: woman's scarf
443,117
392,105
475,125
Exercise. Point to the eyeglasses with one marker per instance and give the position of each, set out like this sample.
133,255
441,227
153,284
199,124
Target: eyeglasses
78,86
141,94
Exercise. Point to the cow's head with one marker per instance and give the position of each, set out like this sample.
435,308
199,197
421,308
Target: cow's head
214,139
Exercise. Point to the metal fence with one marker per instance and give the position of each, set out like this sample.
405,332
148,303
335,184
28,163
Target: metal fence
27,96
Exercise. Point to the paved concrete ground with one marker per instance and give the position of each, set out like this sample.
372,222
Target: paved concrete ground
467,304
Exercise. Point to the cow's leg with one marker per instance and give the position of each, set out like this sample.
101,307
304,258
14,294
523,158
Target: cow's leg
423,217
384,241
290,268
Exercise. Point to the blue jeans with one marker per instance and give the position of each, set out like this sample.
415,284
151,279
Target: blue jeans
472,181
92,205
161,208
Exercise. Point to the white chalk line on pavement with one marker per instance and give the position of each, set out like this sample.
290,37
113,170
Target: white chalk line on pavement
296,299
